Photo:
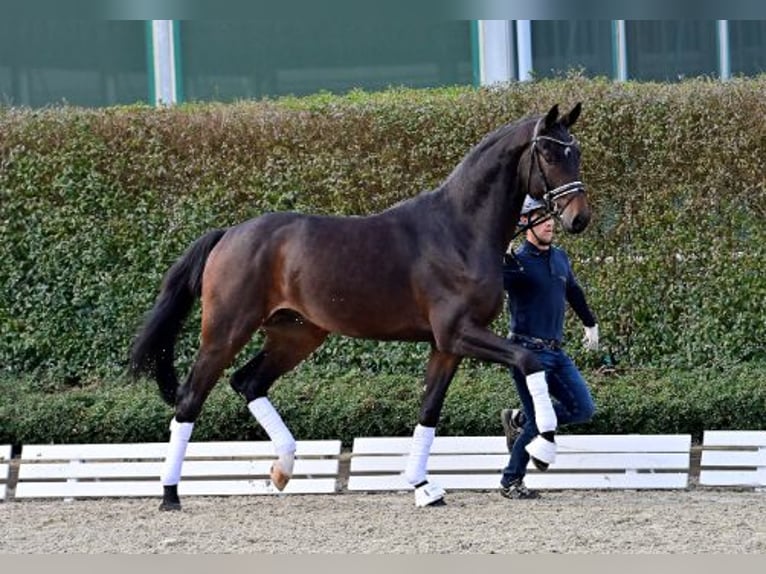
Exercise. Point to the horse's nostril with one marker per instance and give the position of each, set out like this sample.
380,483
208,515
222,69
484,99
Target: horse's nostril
579,223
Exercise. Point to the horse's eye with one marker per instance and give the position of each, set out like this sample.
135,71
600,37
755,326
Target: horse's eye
567,152
550,155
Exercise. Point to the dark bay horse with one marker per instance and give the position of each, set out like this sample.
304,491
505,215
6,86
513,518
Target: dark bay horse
426,269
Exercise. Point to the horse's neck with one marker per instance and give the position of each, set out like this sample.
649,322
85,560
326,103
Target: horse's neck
488,197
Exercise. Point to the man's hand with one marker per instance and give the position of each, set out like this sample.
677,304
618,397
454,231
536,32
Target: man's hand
590,340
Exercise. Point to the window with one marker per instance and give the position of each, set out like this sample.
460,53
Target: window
226,60
559,46
667,51
747,40
80,62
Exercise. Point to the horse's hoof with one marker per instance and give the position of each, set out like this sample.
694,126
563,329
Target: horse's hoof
278,477
170,505
542,452
429,494
170,500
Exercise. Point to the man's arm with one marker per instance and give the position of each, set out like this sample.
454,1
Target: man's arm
576,299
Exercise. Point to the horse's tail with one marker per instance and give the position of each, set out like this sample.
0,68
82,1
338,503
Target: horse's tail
153,349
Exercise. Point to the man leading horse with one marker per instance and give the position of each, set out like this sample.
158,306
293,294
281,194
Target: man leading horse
427,269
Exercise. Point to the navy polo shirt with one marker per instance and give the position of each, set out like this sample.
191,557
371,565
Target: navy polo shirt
539,283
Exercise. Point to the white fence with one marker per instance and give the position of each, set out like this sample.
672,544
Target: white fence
728,459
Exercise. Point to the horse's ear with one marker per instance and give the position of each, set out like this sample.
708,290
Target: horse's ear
569,119
552,116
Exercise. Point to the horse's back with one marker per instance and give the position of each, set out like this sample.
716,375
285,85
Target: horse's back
350,275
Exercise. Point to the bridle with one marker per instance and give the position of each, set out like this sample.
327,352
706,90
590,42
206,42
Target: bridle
550,195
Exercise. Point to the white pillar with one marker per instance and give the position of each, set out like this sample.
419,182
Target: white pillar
163,47
620,50
524,49
495,64
724,54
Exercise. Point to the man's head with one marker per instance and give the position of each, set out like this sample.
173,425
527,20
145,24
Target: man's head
541,233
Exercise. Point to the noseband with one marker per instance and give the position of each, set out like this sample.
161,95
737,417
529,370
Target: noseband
551,195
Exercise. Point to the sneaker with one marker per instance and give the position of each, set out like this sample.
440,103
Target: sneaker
513,422
517,490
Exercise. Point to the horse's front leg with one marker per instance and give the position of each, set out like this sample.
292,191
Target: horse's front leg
439,372
481,343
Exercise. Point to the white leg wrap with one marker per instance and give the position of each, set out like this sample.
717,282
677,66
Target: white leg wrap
180,433
545,416
422,438
543,450
284,443
428,493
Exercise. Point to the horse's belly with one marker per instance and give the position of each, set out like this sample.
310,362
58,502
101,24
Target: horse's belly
370,319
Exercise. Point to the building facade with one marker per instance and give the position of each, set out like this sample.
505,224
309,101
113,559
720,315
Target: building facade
101,63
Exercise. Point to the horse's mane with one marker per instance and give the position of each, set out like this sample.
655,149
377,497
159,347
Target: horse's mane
471,158
488,141
500,133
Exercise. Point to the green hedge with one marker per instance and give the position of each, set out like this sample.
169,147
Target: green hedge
95,205
319,403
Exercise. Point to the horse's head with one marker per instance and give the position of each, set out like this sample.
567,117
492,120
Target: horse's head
553,174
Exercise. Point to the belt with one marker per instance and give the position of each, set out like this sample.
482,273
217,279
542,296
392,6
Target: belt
549,343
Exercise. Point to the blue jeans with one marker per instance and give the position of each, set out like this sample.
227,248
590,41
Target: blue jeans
572,402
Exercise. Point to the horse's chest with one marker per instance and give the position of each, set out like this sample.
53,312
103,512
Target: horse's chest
486,300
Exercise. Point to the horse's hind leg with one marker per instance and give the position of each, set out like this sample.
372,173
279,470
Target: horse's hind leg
207,369
289,340
223,337
439,373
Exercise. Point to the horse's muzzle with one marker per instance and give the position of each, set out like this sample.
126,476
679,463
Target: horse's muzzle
576,215
579,222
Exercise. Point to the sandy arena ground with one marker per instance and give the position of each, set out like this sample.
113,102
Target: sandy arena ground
693,521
